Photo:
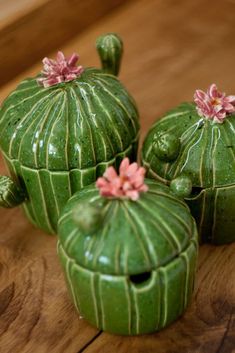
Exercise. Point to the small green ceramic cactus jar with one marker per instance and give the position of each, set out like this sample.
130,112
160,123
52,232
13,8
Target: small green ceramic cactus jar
197,141
128,252
60,130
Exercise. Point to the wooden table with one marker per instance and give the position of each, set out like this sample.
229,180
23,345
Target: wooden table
171,48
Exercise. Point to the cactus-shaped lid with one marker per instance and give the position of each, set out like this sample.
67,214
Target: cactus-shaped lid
125,224
195,139
69,116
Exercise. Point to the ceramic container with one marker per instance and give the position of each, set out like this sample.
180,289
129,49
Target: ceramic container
60,130
198,142
129,264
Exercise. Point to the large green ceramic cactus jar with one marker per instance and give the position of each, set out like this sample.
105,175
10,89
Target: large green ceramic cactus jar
129,263
197,140
60,130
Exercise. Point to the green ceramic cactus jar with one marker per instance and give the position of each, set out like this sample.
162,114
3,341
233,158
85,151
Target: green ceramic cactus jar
197,140
129,264
60,130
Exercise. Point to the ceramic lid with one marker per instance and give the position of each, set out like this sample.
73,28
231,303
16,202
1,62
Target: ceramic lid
134,236
74,124
205,153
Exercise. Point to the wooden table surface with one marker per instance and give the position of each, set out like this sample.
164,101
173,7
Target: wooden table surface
30,29
171,48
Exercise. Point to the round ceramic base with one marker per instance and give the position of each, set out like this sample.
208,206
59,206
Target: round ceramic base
50,190
214,212
132,305
212,209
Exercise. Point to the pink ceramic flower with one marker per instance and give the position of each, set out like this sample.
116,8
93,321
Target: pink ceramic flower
214,104
128,184
59,70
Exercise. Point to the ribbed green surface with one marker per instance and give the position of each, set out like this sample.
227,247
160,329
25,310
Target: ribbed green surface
48,191
214,212
207,152
136,236
58,139
10,194
154,237
115,304
71,125
110,49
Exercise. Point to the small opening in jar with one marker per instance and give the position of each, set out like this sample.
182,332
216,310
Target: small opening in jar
141,278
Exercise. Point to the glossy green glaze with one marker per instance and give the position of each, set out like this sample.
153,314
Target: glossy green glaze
56,140
110,49
207,157
10,194
134,273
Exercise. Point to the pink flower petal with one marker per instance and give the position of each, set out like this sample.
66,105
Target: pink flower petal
60,56
143,188
132,169
132,194
212,91
214,104
124,166
70,77
101,182
141,171
200,95
138,181
230,99
116,182
128,184
59,70
229,107
72,60
110,173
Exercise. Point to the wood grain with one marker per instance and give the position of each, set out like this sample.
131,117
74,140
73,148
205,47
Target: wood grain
33,28
31,288
11,10
171,48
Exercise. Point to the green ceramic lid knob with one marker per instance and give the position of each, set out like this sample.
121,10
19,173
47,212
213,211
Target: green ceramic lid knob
10,194
88,218
110,49
181,186
166,146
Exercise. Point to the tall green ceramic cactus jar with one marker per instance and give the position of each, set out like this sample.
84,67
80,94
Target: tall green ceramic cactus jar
60,130
128,252
197,140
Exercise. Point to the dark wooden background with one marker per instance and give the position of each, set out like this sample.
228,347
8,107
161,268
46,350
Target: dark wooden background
171,48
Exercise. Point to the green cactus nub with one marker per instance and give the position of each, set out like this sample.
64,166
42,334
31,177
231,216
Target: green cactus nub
88,218
11,195
110,49
166,146
181,186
